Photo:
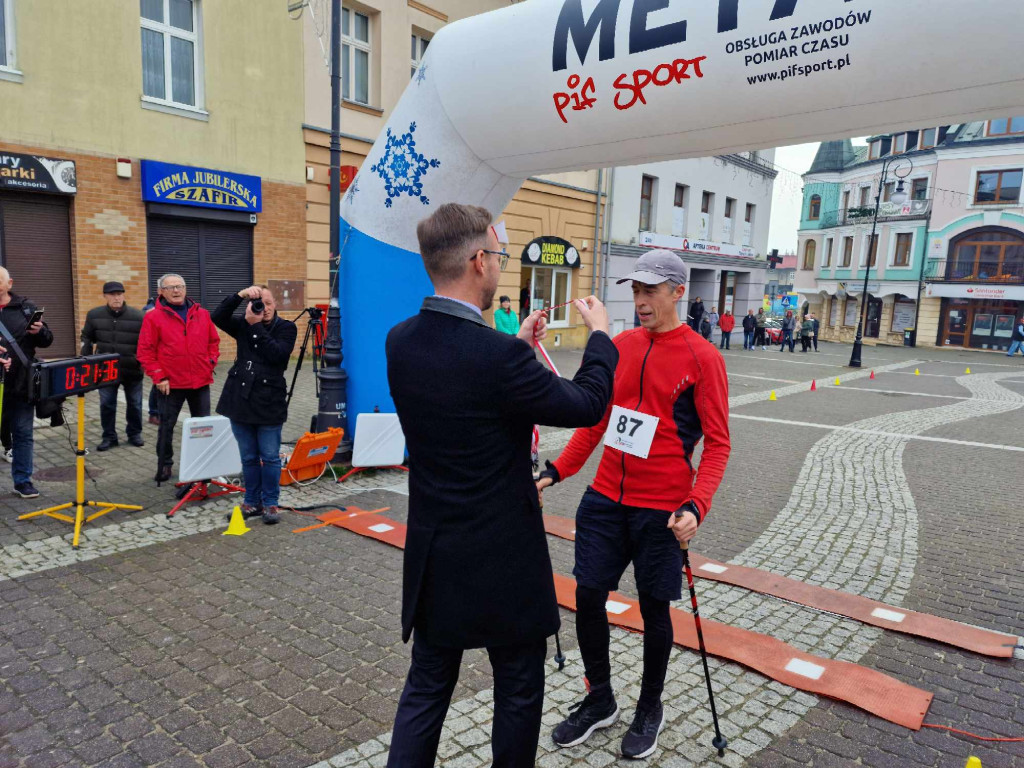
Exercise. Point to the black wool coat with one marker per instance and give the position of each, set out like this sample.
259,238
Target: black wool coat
255,391
477,571
108,331
15,315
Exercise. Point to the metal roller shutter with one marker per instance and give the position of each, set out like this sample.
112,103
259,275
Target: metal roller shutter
35,247
214,258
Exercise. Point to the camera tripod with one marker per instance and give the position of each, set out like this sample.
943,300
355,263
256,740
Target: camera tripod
314,331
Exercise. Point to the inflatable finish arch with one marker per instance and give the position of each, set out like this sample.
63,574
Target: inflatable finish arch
557,85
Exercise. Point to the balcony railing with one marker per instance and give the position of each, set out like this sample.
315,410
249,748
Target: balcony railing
954,271
912,209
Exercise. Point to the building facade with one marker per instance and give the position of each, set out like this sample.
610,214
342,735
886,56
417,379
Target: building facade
946,264
384,41
175,146
714,212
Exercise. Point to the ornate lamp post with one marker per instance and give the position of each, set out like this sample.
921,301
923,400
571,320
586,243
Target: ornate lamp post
899,197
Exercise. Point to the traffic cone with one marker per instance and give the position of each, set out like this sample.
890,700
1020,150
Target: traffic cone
973,762
968,370
237,525
917,372
837,381
772,396
872,376
814,386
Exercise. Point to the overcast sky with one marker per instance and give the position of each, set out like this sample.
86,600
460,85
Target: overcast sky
787,199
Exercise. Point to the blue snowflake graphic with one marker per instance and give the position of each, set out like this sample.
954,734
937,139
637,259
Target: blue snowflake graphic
421,74
351,195
402,168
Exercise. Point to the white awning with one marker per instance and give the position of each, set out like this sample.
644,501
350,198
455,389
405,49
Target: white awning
884,288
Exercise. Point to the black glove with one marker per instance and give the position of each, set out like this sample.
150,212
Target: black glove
552,473
691,508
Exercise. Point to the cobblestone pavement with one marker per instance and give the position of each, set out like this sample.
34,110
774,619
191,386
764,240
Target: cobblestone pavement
161,643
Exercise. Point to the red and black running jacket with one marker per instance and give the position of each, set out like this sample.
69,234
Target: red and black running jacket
680,378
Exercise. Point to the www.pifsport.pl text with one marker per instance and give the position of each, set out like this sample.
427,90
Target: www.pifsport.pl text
800,70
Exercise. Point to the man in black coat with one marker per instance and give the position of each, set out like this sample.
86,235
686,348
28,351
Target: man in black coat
114,327
255,394
696,314
16,314
477,571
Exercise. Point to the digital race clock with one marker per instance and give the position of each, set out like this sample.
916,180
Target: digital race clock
75,375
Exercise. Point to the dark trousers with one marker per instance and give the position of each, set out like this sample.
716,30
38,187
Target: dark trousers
20,414
154,402
805,343
814,338
518,704
170,406
726,338
759,337
133,409
787,338
748,339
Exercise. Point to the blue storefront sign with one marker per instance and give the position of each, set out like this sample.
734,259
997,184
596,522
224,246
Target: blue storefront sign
203,187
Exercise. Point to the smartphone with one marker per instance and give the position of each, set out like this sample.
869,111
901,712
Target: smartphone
37,317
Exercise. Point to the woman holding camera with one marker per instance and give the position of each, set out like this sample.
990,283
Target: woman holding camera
255,394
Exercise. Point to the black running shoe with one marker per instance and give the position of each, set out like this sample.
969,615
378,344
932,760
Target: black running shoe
642,737
584,718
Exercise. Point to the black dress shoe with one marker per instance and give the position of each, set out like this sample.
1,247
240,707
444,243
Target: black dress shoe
136,440
164,473
106,445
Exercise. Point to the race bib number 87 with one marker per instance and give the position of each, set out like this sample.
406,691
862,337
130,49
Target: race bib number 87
631,432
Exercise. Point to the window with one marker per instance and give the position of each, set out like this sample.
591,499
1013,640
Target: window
680,197
846,200
646,200
872,255
355,56
899,144
875,149
1006,126
887,191
847,251
809,252
987,254
929,138
749,217
171,59
551,287
865,195
729,203
815,212
7,60
904,241
998,187
705,202
826,260
419,50
919,189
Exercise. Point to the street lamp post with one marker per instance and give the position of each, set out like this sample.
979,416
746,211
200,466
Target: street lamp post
898,198
333,405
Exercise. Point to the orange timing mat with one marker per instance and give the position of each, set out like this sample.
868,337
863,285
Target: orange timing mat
865,688
855,607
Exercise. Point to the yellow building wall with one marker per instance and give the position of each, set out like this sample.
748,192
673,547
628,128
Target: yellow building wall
82,65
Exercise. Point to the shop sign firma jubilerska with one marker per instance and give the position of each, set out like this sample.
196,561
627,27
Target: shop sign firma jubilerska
38,174
203,187
551,252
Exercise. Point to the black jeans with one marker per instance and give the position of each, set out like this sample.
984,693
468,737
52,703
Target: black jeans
170,406
726,338
814,338
759,337
518,704
133,409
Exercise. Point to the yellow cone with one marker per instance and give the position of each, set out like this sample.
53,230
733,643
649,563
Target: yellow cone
837,381
917,372
772,396
973,762
968,371
237,525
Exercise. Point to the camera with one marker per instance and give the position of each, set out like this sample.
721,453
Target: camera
258,306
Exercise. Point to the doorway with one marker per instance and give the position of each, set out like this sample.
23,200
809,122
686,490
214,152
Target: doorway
874,324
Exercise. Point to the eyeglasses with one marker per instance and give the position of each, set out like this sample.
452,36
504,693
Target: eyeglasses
179,287
503,257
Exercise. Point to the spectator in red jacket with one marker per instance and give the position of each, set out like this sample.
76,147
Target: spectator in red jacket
178,350
726,323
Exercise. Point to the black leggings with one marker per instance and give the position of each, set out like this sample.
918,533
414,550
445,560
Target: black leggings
593,636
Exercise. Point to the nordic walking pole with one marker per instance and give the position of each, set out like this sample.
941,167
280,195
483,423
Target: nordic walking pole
559,656
719,742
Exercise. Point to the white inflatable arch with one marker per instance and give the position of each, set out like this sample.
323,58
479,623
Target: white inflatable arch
557,85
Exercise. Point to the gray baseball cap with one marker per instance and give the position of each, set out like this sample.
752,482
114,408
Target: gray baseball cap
659,266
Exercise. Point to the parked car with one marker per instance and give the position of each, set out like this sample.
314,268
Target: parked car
773,330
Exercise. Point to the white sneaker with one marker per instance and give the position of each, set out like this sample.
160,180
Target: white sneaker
8,454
